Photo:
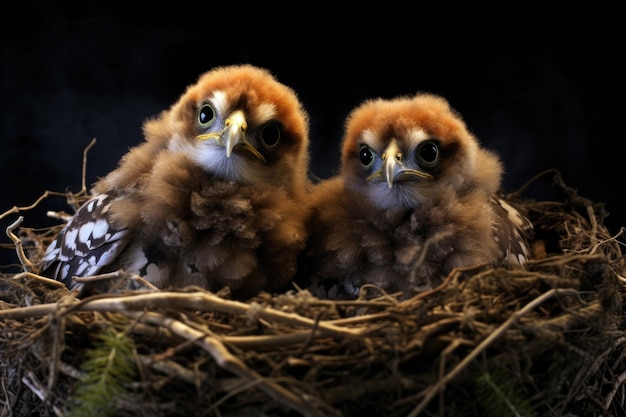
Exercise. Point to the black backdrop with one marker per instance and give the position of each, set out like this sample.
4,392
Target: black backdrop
542,97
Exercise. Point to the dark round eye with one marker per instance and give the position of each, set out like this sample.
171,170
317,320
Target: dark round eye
270,135
428,153
366,156
206,117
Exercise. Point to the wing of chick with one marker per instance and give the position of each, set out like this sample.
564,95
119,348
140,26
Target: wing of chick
416,197
211,198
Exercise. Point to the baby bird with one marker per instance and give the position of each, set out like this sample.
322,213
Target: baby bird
416,196
211,197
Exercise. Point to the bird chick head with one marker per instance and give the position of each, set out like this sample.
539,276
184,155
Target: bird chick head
238,122
402,151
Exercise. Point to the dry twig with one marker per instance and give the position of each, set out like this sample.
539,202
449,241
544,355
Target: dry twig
557,326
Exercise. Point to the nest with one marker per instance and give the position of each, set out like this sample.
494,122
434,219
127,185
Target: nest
549,340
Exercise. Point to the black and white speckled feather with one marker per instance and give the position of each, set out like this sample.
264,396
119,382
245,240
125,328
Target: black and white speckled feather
513,231
87,243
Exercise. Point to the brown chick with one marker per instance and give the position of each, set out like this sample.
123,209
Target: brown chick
211,198
416,196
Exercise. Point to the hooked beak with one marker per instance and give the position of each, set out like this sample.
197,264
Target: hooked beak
233,137
394,170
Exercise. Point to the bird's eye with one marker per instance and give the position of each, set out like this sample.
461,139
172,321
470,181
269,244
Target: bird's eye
270,135
206,117
366,156
428,153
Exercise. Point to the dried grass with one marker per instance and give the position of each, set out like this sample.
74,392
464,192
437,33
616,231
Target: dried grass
554,332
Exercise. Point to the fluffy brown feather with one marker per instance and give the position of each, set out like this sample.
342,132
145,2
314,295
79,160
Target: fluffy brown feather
415,198
211,198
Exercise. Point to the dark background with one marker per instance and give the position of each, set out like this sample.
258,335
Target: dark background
542,96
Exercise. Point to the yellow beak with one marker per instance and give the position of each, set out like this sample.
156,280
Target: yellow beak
233,137
394,170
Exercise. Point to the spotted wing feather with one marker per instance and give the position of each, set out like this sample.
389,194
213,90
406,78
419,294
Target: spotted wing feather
513,230
86,245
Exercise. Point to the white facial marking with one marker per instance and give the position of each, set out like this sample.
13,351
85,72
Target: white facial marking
219,101
370,139
263,113
416,136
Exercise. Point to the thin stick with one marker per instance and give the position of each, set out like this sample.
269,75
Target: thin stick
26,263
9,403
195,300
57,347
46,194
230,362
618,383
112,275
485,344
16,209
31,382
43,280
528,183
83,189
